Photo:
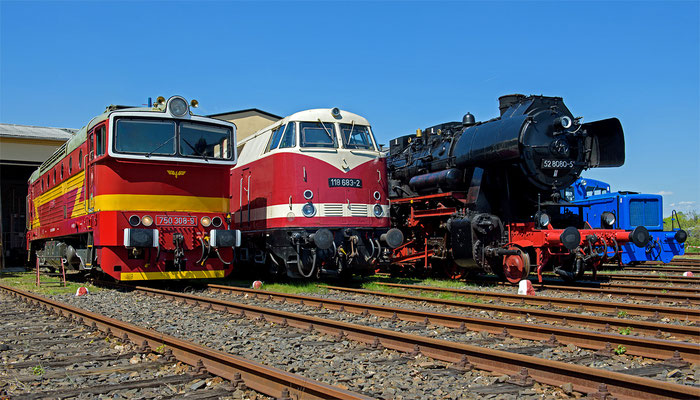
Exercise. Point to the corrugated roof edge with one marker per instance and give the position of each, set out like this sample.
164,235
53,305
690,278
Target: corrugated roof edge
67,131
246,110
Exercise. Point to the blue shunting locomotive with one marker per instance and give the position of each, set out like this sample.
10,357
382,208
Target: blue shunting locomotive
626,210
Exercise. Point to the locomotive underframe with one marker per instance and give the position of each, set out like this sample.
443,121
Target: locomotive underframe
443,239
103,250
292,251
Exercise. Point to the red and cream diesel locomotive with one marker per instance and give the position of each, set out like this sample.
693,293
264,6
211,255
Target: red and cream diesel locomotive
139,194
312,197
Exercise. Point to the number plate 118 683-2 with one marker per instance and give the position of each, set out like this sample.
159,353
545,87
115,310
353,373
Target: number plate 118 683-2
345,182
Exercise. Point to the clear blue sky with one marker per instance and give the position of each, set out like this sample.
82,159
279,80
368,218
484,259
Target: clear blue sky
401,65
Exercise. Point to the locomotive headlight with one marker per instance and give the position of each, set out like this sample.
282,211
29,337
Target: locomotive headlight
308,194
147,220
134,220
377,195
177,106
607,219
308,210
206,221
542,219
564,121
216,221
378,210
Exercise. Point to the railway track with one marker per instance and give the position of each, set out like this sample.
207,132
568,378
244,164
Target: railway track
646,347
680,262
48,357
654,311
588,284
642,278
594,381
648,293
651,277
663,270
604,324
242,373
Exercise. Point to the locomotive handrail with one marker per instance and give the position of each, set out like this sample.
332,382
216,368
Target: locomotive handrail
87,183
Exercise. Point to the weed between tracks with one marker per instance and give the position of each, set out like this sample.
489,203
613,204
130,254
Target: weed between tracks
301,287
373,285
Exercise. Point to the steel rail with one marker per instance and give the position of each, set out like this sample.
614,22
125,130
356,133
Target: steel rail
584,379
658,295
645,347
596,285
664,269
690,280
679,262
240,371
563,318
690,314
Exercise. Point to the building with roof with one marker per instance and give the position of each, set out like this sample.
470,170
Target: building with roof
22,149
248,121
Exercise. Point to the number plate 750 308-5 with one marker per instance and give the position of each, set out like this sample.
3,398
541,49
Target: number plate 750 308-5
176,220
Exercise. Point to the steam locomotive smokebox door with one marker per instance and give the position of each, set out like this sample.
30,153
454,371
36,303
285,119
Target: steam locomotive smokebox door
461,238
607,142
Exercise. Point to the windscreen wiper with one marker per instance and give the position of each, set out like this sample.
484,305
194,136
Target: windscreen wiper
159,146
327,131
195,150
350,134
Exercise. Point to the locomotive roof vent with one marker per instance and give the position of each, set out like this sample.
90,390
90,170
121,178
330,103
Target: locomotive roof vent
468,119
506,101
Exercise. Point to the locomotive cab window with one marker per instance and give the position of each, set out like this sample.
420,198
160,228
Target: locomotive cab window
145,137
289,139
318,134
197,140
159,137
99,141
356,137
275,138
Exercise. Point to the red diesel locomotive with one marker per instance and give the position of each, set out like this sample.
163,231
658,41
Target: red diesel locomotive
312,197
139,194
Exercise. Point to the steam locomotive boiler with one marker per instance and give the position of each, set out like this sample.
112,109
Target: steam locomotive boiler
484,196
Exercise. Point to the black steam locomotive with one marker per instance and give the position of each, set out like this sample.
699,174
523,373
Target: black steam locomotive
485,195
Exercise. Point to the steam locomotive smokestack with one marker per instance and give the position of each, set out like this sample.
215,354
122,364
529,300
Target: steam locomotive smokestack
504,102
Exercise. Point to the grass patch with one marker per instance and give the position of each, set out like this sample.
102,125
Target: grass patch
292,287
50,285
449,284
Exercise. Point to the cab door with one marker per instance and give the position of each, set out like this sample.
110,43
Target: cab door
96,149
89,171
244,199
